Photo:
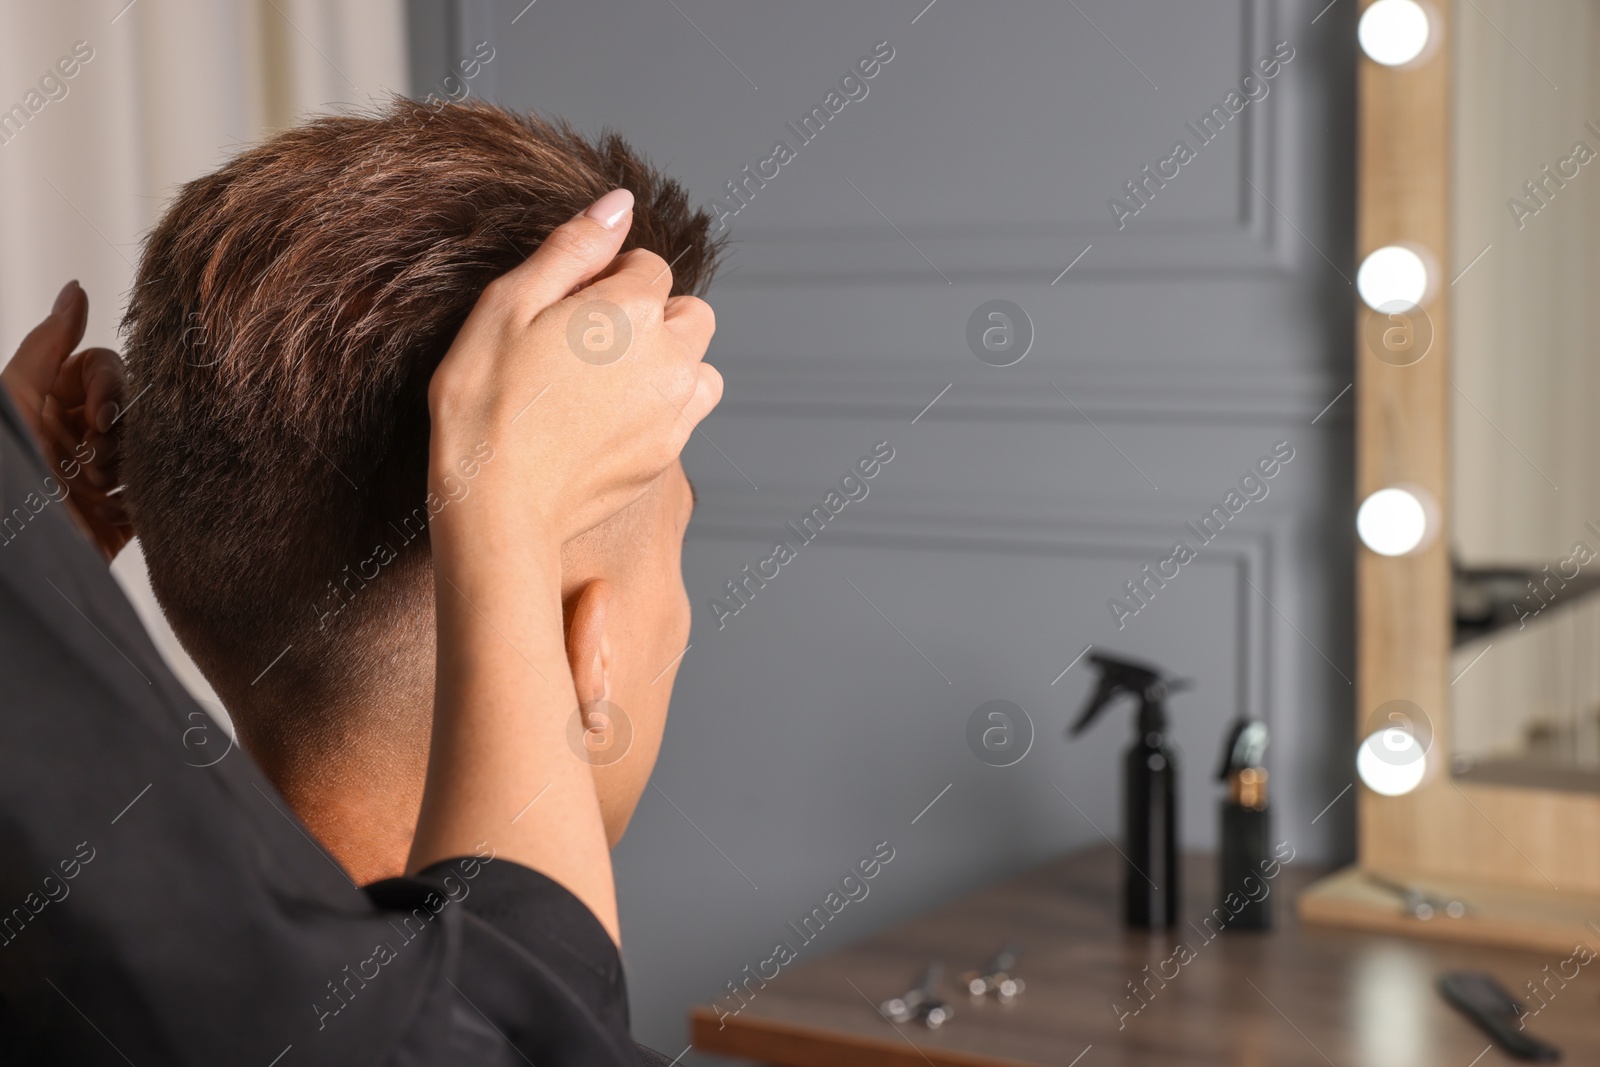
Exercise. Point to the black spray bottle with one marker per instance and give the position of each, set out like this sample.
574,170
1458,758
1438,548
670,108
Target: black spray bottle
1246,827
1151,887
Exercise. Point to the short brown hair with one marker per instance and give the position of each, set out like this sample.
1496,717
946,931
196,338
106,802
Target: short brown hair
287,315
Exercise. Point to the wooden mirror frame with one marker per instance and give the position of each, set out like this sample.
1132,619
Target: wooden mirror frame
1526,862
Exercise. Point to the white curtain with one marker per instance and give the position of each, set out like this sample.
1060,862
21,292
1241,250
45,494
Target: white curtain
159,92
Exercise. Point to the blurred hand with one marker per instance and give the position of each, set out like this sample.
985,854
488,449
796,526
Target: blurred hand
72,402
577,433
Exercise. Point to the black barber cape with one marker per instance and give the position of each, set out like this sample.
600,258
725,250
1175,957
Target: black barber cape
160,904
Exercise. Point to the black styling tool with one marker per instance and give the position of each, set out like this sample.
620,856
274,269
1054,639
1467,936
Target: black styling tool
1485,1002
1150,880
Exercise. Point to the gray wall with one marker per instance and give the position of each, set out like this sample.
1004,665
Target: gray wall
825,717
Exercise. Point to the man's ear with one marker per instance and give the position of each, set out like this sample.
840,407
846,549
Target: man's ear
586,630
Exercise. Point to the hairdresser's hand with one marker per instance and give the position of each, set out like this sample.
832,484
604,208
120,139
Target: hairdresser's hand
71,402
576,435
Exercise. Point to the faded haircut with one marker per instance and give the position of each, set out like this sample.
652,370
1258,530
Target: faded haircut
287,314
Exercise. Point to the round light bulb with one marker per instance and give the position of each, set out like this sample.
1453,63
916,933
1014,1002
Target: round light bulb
1392,522
1393,32
1393,279
1391,761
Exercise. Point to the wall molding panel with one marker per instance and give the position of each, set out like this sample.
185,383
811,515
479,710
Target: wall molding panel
835,387
1250,240
1246,549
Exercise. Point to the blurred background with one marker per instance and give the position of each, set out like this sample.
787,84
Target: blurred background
1171,343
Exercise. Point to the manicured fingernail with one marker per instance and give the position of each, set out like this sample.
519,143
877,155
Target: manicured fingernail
609,209
64,298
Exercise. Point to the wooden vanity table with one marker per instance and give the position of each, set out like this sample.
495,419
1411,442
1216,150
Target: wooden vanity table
1296,995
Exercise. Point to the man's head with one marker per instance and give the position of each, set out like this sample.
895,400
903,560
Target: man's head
288,313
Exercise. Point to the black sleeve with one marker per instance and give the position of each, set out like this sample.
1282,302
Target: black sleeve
543,917
533,925
160,903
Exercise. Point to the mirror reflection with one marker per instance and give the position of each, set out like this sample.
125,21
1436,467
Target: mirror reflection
1526,487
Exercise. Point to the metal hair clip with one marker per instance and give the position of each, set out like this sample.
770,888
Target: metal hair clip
920,1004
998,980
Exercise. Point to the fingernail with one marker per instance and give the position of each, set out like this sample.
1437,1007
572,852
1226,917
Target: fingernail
609,209
105,417
64,298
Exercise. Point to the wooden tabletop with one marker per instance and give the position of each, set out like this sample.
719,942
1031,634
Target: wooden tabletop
1296,995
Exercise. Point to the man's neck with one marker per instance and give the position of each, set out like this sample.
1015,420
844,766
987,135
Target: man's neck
358,790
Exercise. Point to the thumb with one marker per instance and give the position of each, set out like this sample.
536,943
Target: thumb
48,344
573,254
